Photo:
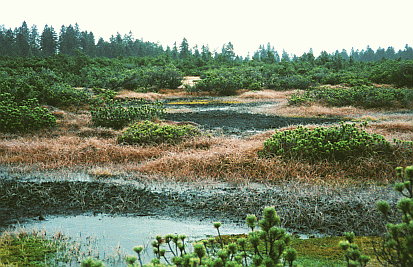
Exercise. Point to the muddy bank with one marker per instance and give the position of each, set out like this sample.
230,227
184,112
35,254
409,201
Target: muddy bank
303,209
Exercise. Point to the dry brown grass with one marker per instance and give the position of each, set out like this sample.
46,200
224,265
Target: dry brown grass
75,143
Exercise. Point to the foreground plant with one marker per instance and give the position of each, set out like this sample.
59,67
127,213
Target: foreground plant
352,255
396,247
267,246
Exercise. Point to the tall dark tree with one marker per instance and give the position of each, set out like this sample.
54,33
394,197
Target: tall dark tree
390,53
87,43
184,51
206,55
196,52
344,54
48,41
6,41
228,52
34,42
69,40
323,58
22,40
380,54
102,48
285,57
407,53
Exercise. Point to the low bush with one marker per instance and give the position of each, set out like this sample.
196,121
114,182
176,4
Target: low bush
220,85
146,132
336,142
359,96
24,116
161,77
288,82
117,114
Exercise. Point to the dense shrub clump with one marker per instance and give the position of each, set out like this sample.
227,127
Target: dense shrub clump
117,114
359,96
146,132
337,142
24,116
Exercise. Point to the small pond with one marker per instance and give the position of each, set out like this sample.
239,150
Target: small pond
111,238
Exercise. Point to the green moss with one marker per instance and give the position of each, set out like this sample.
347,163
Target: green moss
318,252
26,249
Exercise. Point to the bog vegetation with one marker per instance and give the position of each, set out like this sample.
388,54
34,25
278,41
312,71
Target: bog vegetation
44,76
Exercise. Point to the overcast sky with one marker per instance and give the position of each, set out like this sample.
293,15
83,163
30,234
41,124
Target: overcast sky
293,25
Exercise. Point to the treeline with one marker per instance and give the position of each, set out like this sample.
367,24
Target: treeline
29,42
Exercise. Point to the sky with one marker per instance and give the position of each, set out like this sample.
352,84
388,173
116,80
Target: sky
291,25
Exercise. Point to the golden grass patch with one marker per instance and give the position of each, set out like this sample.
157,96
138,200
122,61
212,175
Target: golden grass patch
266,94
150,96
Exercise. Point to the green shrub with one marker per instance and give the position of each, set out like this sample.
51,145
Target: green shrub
161,77
288,82
359,96
396,247
117,114
146,132
223,84
24,116
336,142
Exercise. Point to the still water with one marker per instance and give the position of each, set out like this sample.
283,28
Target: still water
110,238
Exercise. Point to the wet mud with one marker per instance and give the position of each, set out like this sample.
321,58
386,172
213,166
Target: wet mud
238,119
302,210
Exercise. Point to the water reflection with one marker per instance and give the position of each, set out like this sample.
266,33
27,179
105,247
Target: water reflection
110,238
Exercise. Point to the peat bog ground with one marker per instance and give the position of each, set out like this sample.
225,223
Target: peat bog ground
77,169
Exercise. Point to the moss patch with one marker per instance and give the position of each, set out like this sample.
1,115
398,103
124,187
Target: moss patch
26,249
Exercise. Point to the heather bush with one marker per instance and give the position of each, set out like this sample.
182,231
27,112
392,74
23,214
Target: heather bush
146,132
336,142
24,116
117,114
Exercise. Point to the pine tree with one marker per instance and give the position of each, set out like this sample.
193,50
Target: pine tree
22,40
34,42
184,49
48,41
69,40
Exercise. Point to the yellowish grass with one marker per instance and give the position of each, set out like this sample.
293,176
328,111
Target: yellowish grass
134,95
266,94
